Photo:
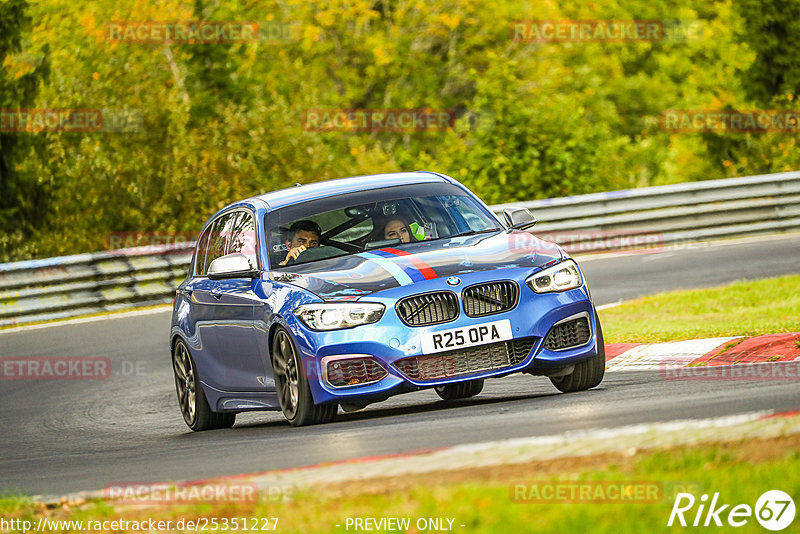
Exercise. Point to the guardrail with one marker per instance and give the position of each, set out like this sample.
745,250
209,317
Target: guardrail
66,286
55,288
669,214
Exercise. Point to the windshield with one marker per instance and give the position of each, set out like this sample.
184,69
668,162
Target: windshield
358,222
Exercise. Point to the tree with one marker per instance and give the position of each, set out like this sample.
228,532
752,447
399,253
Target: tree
772,30
22,196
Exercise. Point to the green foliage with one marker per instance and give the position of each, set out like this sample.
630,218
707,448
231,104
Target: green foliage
221,122
772,30
22,195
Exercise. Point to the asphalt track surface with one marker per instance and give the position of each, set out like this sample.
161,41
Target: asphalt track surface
64,436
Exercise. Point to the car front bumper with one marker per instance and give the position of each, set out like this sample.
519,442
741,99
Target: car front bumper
389,341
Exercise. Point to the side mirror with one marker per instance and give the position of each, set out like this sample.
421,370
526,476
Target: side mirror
234,265
519,218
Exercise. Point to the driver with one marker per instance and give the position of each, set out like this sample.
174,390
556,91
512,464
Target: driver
303,234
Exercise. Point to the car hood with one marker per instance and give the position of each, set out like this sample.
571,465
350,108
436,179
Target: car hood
357,275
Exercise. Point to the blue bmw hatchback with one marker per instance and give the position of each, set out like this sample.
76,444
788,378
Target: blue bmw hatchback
346,292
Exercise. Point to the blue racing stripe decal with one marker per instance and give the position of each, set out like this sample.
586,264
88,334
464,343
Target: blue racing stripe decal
390,266
407,266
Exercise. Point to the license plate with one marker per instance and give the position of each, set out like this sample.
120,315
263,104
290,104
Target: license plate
466,336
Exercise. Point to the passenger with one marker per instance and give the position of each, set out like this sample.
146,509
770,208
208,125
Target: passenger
302,236
392,228
397,228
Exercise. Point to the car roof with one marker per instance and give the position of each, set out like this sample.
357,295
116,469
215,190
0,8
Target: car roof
292,195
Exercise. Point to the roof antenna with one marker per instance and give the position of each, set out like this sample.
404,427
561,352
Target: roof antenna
298,184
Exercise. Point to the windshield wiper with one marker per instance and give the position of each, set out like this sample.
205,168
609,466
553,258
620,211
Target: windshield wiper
476,232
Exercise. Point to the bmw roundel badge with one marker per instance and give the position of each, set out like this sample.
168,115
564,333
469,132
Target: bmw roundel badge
453,281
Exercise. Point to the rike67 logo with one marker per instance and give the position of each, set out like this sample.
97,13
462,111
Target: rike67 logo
774,510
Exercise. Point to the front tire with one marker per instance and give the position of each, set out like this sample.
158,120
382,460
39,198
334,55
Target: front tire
588,373
294,393
462,390
192,399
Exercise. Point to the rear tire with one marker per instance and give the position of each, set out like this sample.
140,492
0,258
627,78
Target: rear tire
291,383
191,398
462,390
588,373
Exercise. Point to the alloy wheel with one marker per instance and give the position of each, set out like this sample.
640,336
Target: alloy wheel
184,381
287,373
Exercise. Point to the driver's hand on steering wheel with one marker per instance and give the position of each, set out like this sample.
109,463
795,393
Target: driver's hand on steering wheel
293,253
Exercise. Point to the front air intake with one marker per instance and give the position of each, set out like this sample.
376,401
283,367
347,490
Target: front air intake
487,299
466,361
428,308
569,334
344,372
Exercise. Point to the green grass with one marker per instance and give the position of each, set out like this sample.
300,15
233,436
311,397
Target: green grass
751,308
740,472
14,503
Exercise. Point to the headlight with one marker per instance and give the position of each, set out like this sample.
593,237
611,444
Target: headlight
559,277
338,315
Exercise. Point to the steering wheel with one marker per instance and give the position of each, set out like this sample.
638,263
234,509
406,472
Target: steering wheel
347,247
